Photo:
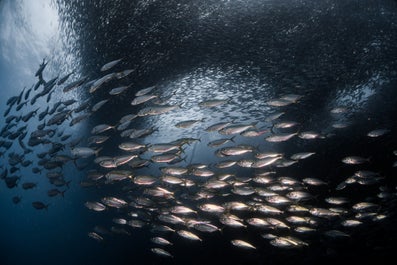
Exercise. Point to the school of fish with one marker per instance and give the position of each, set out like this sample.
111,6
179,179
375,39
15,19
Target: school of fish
154,184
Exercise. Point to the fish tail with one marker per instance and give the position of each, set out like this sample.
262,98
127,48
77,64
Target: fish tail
67,183
74,162
46,206
271,129
98,150
63,193
232,139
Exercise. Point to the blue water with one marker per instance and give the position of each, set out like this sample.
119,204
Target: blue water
333,52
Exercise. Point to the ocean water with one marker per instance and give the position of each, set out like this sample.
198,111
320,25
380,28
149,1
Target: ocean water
332,53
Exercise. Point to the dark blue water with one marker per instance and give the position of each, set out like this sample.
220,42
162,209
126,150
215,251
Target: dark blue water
332,52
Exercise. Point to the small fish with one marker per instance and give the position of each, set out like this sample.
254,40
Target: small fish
114,202
188,235
206,227
98,105
314,181
238,128
355,160
142,99
265,162
287,242
84,152
95,236
118,90
280,137
39,205
16,199
144,91
253,133
336,200
309,135
160,241
278,102
218,126
341,125
161,252
179,209
187,123
28,185
336,234
99,82
101,128
377,133
156,110
220,142
285,125
55,192
131,146
274,116
303,155
299,195
242,244
74,84
110,65
212,208
144,180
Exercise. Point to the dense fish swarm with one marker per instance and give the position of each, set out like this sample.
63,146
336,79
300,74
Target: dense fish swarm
244,187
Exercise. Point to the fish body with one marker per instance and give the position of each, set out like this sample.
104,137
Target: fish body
354,160
40,205
144,91
142,99
280,137
110,65
161,252
84,152
156,110
242,244
213,103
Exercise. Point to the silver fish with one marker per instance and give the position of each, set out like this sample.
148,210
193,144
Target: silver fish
95,206
98,105
99,82
110,65
142,99
378,133
354,160
118,90
161,252
242,244
144,91
101,128
160,241
156,110
188,235
303,155
282,137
